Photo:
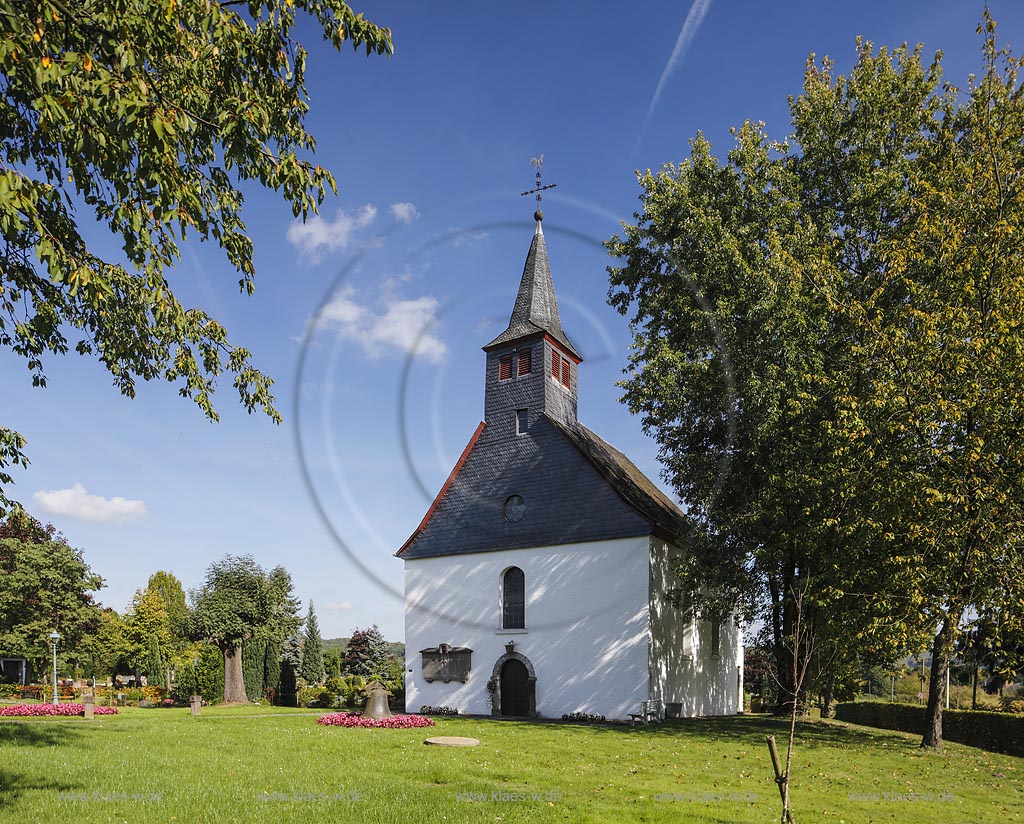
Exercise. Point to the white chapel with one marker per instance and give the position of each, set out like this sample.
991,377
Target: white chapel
535,585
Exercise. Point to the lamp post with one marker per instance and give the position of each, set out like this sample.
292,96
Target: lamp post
54,638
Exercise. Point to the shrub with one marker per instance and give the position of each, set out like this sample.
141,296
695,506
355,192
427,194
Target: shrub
351,719
314,697
993,731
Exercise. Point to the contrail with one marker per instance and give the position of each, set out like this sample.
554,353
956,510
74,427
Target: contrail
694,17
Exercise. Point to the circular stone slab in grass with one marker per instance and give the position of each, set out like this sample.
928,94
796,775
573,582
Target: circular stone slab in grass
452,741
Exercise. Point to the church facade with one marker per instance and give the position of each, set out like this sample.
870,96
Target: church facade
535,585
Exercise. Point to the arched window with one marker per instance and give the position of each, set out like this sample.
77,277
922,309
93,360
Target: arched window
513,599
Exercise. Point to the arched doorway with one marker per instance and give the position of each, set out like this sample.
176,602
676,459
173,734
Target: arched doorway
513,686
515,696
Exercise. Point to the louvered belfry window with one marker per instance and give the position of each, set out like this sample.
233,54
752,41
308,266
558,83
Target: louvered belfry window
565,373
556,363
504,367
523,364
513,599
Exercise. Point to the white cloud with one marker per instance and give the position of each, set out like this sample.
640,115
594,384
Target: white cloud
77,503
331,606
396,324
404,212
316,235
461,238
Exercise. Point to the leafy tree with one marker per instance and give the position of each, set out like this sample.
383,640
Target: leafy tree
145,619
147,117
940,304
45,585
171,592
367,653
828,351
229,608
106,649
312,650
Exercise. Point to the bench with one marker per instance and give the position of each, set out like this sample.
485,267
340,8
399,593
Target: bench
649,711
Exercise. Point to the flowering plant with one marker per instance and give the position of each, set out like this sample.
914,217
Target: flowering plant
28,710
351,719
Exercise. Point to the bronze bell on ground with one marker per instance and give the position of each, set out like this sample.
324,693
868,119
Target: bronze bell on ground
377,701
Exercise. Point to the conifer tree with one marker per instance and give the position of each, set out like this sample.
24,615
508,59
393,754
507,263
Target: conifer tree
367,653
312,669
156,673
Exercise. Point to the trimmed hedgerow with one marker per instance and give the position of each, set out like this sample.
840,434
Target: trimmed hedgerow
993,731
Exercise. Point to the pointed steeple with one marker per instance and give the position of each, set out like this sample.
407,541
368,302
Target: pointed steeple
536,307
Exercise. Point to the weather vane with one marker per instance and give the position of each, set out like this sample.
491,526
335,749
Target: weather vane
537,162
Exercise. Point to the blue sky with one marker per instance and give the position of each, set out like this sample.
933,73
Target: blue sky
412,268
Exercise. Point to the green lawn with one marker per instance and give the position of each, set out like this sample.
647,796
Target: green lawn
267,764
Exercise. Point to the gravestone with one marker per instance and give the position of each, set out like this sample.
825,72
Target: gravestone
89,702
195,704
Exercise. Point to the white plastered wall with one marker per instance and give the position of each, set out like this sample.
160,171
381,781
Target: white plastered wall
686,675
586,631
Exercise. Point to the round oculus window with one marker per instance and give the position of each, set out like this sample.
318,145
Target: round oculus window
514,509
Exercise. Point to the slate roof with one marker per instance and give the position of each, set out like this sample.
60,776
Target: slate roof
577,488
536,308
629,482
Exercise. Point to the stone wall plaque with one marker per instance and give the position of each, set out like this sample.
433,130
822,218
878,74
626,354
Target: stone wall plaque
446,663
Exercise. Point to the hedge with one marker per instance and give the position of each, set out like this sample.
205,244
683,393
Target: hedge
993,731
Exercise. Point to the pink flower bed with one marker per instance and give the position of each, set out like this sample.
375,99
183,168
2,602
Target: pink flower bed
27,710
351,719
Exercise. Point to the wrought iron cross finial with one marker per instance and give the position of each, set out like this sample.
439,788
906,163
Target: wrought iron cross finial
537,162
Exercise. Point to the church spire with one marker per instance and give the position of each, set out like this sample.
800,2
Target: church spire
536,307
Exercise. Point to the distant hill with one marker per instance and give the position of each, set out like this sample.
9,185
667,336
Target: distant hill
396,648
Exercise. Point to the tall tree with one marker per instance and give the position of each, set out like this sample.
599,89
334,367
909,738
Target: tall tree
941,298
828,351
312,650
45,585
147,116
233,603
171,592
144,620
283,622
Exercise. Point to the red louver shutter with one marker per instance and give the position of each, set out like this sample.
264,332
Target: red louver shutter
504,367
565,373
523,367
555,361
